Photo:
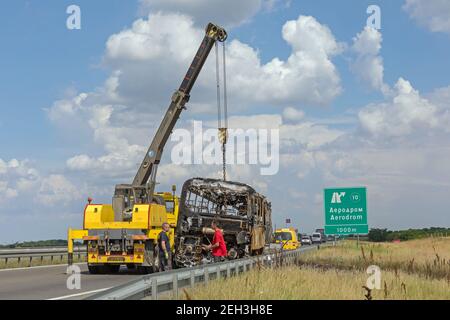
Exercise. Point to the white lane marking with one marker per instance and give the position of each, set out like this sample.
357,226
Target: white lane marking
79,294
40,267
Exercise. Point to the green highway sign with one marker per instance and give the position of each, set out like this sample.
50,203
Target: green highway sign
345,211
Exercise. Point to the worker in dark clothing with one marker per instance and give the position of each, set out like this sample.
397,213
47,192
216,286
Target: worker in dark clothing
165,253
218,247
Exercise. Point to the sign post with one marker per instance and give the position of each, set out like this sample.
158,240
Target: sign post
345,211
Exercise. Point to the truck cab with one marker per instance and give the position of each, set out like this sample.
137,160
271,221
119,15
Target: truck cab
171,203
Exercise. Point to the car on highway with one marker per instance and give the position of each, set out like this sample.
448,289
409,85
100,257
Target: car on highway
316,237
331,238
287,237
305,239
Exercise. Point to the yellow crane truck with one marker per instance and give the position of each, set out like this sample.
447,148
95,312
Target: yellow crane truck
131,242
125,232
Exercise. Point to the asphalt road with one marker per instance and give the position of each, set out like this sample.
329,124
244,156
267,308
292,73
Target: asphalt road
49,282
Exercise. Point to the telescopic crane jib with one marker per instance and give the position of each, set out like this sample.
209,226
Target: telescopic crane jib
142,188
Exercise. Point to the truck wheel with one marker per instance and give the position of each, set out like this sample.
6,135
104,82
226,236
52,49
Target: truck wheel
102,269
93,269
145,270
114,268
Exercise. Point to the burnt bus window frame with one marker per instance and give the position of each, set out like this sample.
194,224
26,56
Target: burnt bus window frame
238,208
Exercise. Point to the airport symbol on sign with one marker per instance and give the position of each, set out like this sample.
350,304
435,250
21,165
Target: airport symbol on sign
337,197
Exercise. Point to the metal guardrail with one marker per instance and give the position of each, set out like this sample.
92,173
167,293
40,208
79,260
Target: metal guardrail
151,286
29,254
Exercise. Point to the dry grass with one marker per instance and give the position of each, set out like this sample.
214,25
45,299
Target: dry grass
418,269
426,257
25,262
293,283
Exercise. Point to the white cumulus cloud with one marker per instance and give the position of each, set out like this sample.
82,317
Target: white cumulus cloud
223,12
432,14
16,177
293,114
406,113
152,57
57,190
368,64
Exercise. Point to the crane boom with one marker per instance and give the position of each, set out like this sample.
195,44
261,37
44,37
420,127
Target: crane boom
142,188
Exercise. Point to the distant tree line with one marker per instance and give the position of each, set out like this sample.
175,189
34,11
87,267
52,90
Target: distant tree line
382,235
34,244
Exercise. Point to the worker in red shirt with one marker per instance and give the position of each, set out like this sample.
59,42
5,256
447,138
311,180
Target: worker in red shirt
218,247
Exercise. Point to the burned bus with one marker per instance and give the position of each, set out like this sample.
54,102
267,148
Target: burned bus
243,214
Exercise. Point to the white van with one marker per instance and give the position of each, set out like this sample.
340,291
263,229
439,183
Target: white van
316,237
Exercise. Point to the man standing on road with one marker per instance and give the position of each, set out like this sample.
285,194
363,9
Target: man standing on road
165,254
218,247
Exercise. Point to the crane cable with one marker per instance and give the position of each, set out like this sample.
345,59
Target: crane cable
222,125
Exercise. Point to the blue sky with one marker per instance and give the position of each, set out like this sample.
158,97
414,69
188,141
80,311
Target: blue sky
43,64
41,59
